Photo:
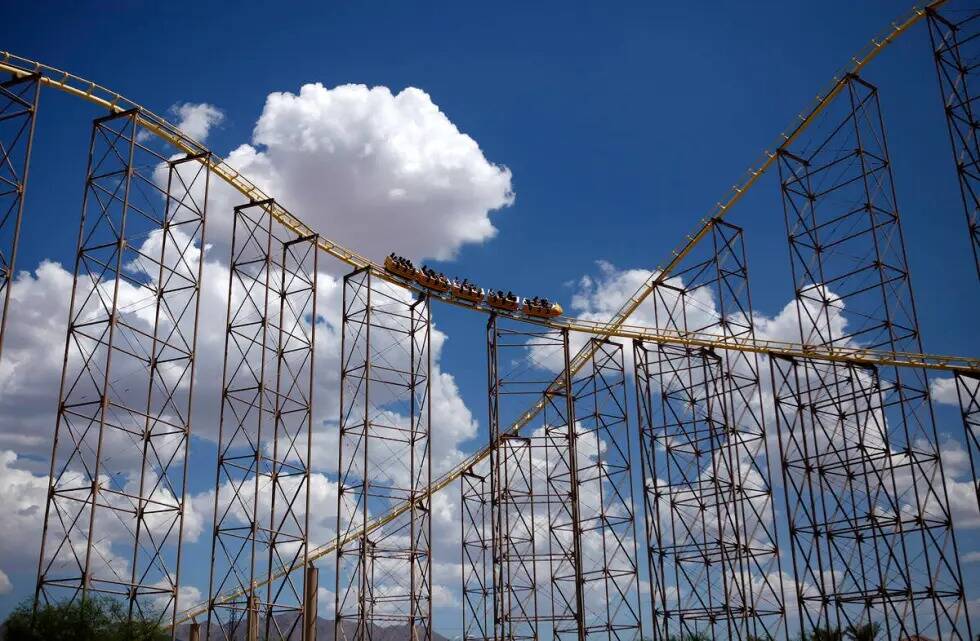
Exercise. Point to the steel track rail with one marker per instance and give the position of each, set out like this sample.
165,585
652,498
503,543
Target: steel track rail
615,328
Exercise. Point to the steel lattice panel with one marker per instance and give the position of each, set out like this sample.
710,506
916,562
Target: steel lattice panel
850,275
384,579
113,521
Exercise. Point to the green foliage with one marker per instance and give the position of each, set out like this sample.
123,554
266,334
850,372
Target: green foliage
823,634
98,619
864,631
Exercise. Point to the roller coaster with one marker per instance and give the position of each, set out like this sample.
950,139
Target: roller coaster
548,524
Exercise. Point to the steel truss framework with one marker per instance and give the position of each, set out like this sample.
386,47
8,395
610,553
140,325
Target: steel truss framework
968,393
537,584
261,518
18,111
384,458
610,577
477,547
118,468
956,47
713,548
549,548
870,524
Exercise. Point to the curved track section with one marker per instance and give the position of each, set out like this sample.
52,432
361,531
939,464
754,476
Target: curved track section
615,327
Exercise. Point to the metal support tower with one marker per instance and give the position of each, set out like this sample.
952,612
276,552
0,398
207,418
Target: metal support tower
968,393
385,579
261,517
538,588
114,514
713,547
477,545
956,49
288,613
610,578
18,112
870,523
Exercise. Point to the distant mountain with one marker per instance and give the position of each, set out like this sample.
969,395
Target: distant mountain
324,632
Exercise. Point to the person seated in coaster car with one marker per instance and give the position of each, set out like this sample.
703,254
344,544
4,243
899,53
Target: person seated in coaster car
498,300
541,308
465,290
429,279
400,266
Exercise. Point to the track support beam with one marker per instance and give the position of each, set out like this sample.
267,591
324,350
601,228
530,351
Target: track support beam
713,549
261,516
384,458
870,521
956,50
114,514
19,99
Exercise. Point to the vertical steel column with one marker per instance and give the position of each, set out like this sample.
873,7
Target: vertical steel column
384,459
477,570
610,581
310,602
247,409
968,393
288,534
714,555
956,49
18,112
532,473
114,515
851,278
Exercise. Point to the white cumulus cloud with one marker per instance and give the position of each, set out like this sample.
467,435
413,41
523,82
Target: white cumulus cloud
196,120
374,170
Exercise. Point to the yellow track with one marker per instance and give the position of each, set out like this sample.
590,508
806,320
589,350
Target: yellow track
616,327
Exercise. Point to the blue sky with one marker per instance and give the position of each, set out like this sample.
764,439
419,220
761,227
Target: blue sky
622,125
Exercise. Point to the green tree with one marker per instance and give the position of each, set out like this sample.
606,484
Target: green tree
823,634
98,619
864,631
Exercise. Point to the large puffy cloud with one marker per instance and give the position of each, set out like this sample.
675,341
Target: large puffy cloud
373,170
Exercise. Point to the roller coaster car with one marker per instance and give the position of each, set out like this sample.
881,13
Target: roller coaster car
400,268
503,303
467,292
435,282
542,311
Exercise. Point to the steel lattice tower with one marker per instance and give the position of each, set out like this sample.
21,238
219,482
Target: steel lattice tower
384,459
477,547
956,47
19,99
713,548
610,578
968,394
261,516
870,522
124,418
536,525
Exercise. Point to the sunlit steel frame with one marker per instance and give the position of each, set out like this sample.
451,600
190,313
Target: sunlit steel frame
713,546
968,394
537,586
286,606
118,466
610,580
384,458
19,99
261,516
955,45
477,566
893,553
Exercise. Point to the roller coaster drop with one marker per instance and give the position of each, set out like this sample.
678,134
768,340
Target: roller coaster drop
550,543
